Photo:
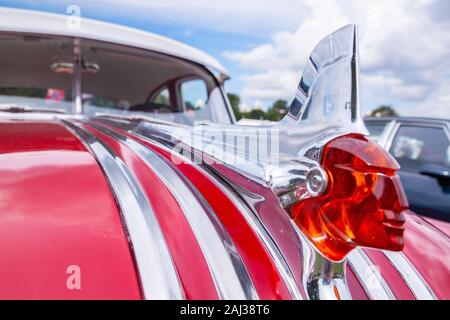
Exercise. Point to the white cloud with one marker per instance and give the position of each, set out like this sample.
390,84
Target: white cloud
404,49
437,103
273,83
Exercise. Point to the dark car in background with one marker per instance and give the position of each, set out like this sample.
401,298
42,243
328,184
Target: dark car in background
422,148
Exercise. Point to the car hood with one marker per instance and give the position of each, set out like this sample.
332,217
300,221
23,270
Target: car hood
59,208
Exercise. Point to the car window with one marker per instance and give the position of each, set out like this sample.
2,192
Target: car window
125,77
375,128
163,97
194,94
200,103
415,146
38,72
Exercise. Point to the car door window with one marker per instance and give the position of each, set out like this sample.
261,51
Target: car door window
163,97
415,146
194,94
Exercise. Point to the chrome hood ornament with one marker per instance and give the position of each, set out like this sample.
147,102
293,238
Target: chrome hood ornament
338,190
286,156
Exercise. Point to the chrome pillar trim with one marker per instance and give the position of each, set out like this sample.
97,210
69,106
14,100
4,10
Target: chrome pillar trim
322,279
369,276
76,81
411,276
254,222
226,266
156,270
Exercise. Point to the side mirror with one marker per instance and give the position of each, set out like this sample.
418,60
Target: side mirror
439,172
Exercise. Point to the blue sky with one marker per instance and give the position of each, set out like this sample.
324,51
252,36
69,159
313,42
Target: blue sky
404,49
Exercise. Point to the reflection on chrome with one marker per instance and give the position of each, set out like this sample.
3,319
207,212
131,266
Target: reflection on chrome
322,278
227,268
326,106
157,273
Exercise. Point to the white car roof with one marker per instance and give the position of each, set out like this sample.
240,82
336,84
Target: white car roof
28,21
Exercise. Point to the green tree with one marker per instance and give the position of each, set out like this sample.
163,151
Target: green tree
384,111
257,114
235,101
277,111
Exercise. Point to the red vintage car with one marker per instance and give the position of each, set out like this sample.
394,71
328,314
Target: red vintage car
123,176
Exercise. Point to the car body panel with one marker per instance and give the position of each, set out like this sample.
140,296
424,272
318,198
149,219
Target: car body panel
39,233
428,251
45,228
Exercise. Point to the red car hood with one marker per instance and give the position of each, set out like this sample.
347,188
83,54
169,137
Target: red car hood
57,210
443,226
58,215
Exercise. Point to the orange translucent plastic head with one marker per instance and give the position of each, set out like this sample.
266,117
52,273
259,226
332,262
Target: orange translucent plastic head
363,204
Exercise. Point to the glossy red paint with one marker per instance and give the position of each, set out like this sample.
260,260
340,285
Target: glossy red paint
260,266
356,289
442,226
428,250
185,250
274,218
56,210
393,277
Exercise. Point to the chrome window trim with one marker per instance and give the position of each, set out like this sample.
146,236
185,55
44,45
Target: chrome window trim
229,273
77,77
254,222
370,278
156,271
390,138
411,276
227,104
387,131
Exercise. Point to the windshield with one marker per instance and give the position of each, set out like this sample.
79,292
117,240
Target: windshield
37,72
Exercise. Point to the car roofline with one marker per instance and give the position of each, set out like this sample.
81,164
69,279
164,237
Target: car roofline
407,119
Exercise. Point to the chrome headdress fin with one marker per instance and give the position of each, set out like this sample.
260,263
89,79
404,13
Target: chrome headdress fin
328,93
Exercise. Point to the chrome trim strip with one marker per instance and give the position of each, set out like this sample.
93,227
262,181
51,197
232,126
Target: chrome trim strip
254,222
157,273
76,77
227,268
261,232
411,276
369,276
